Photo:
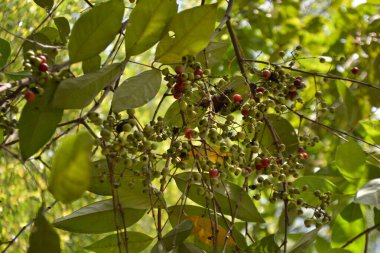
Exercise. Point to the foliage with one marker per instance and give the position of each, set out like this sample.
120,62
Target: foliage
189,126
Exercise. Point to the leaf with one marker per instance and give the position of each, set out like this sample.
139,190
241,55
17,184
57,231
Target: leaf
176,236
38,122
92,64
350,103
98,218
338,250
95,29
77,93
352,212
52,33
71,167
43,237
5,52
192,30
46,4
342,231
369,194
178,213
147,24
137,242
350,159
137,91
247,210
213,54
376,217
306,240
284,131
188,248
63,27
124,174
265,245
15,76
173,116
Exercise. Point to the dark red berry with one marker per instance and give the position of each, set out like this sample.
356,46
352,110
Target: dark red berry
237,98
179,80
178,95
214,173
259,166
292,94
188,133
43,67
299,78
260,89
245,112
265,162
179,69
30,96
355,70
42,58
179,87
301,150
303,156
297,83
266,73
198,72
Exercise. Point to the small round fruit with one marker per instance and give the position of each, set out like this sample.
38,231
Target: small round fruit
245,112
43,67
30,96
266,73
214,173
265,162
237,98
260,89
42,58
292,94
303,155
179,69
188,133
198,72
355,70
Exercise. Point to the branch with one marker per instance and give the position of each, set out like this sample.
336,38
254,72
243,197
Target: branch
361,234
226,18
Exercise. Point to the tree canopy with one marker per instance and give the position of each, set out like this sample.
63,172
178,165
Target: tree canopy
190,126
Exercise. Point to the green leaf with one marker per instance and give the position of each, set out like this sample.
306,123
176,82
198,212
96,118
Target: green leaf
176,236
43,237
124,174
284,131
265,245
306,240
92,64
15,76
247,210
213,54
188,33
376,217
71,167
350,103
63,27
342,231
137,90
187,248
5,52
137,242
52,33
98,218
38,122
95,30
147,23
350,159
338,250
46,4
77,93
352,212
369,194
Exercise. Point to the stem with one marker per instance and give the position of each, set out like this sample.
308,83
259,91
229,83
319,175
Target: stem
360,234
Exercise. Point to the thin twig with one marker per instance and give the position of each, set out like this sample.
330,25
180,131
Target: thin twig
360,234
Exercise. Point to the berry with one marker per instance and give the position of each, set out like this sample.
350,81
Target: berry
237,98
298,83
292,94
188,133
30,96
179,69
43,67
260,89
177,95
179,80
198,72
265,162
214,173
42,58
303,155
259,166
245,112
179,87
266,73
355,70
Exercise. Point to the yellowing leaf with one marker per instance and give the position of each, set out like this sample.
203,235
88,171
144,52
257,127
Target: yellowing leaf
71,168
202,229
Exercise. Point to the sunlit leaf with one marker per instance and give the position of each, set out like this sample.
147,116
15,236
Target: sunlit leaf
369,194
350,159
137,90
265,245
188,33
95,29
71,167
147,24
63,27
306,240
